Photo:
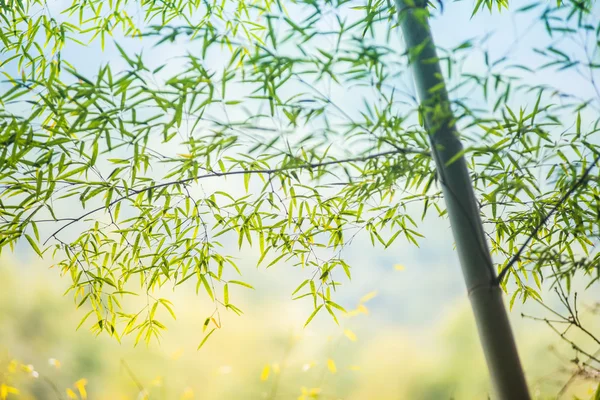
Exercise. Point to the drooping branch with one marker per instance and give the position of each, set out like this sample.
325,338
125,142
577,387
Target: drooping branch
215,174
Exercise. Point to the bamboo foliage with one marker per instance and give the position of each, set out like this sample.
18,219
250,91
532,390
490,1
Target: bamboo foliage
114,169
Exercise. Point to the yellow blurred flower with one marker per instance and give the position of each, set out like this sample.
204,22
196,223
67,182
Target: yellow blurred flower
12,366
158,381
143,395
5,390
264,375
30,370
350,335
54,362
308,366
308,394
71,394
187,394
80,386
331,366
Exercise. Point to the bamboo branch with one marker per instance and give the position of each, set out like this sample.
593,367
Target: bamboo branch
215,174
544,220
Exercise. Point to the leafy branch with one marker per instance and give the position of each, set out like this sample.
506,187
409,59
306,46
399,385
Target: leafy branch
542,223
215,174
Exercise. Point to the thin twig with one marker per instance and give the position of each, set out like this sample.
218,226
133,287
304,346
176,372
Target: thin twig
517,256
132,376
573,345
54,388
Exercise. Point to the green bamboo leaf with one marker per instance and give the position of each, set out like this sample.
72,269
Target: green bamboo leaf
335,305
597,393
246,181
300,286
33,245
313,315
241,284
85,317
168,305
332,315
205,338
72,172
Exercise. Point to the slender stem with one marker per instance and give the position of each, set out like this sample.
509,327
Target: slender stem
54,388
134,378
485,294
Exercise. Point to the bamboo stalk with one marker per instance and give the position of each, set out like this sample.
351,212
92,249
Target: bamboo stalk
506,374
